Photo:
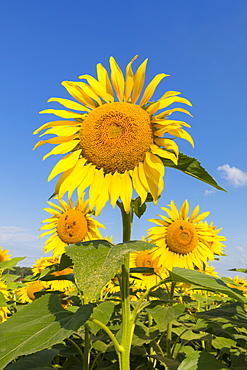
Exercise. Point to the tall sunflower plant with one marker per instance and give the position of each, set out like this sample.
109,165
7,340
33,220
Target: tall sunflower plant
114,143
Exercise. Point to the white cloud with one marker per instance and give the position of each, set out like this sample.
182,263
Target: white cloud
11,235
234,175
209,192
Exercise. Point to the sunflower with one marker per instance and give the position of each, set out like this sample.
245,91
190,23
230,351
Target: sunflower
185,241
61,285
69,225
146,280
113,143
26,293
4,256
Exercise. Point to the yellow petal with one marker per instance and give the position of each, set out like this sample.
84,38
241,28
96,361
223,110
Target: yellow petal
95,188
168,144
67,103
88,179
61,113
97,88
184,210
183,135
79,95
163,153
55,140
87,90
103,195
61,180
63,148
201,216
152,108
104,80
169,93
139,79
155,162
55,123
79,174
137,184
117,79
65,164
168,101
150,89
61,131
129,80
194,213
115,188
170,111
126,193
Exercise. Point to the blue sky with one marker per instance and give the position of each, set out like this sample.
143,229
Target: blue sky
202,45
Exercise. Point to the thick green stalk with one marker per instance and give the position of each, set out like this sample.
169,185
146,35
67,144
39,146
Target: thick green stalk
169,326
127,324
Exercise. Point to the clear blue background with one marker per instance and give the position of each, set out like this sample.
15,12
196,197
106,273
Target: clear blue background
202,45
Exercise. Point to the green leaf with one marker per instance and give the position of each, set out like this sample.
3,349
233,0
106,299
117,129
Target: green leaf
233,313
101,313
40,359
65,262
38,326
239,270
138,208
8,265
164,315
221,342
98,261
191,166
170,364
200,279
2,300
201,361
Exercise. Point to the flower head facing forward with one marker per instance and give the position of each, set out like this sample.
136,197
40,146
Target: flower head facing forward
69,225
146,280
114,144
185,241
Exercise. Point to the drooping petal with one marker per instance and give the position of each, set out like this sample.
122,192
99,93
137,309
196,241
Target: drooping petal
65,164
63,148
126,193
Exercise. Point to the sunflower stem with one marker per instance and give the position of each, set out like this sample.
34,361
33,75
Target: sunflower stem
127,321
169,325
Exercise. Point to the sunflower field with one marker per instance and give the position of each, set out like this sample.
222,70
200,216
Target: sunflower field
154,303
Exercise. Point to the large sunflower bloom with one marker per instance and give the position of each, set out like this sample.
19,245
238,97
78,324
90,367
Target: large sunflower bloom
184,241
69,225
114,144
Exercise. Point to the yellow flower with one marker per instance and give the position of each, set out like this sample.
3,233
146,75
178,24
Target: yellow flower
240,284
69,225
146,280
114,144
184,241
26,293
4,256
61,285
